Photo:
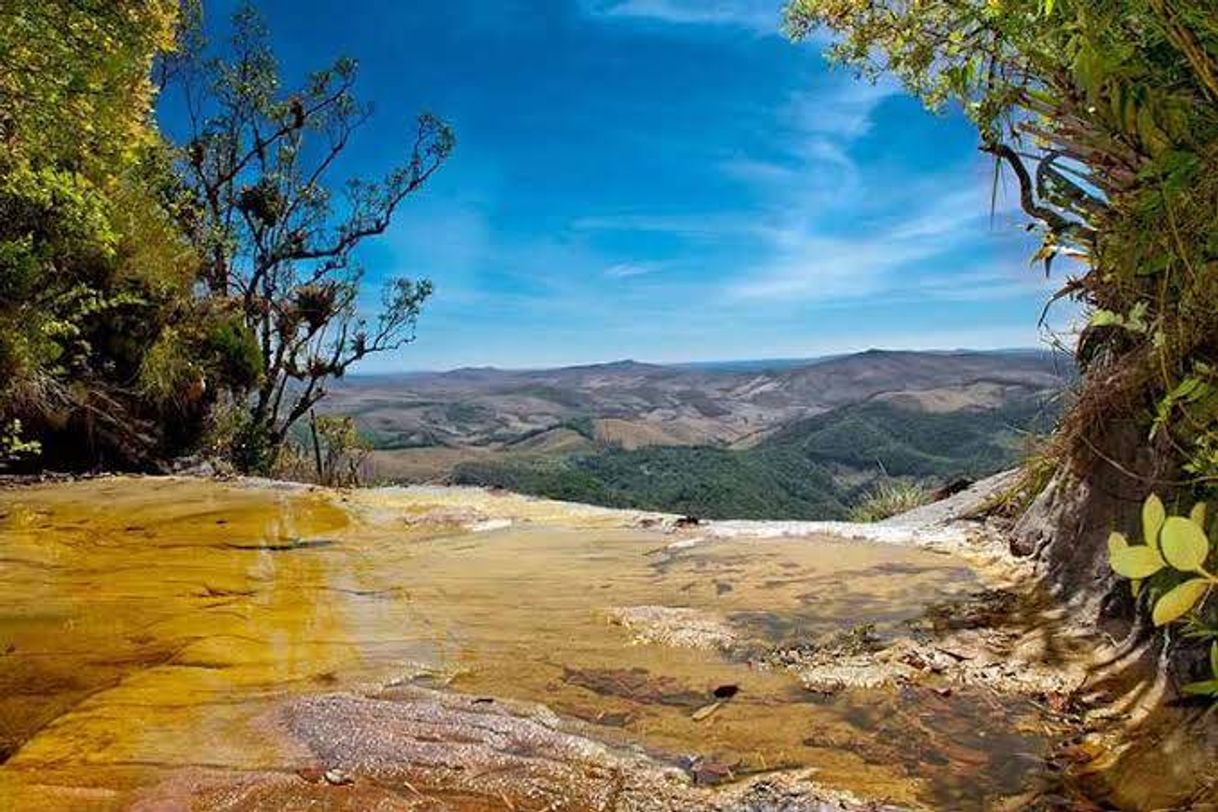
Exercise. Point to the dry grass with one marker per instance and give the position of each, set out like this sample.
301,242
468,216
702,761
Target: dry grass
890,498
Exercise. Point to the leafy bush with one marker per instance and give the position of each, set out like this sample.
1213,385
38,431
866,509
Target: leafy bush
1168,572
328,450
1103,113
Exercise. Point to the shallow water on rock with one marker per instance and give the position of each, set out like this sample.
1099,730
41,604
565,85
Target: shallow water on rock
148,625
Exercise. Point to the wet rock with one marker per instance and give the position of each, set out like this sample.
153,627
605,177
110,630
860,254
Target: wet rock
909,662
674,626
952,488
283,546
423,749
707,772
981,609
312,774
634,684
446,516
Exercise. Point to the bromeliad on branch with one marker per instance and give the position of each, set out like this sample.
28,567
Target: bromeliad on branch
1106,114
274,243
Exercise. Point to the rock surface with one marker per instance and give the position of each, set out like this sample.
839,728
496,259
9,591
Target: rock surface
417,749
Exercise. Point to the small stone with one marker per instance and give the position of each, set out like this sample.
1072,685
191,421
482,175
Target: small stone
338,778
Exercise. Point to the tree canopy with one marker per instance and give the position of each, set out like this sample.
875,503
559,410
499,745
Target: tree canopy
278,245
1106,114
92,268
157,296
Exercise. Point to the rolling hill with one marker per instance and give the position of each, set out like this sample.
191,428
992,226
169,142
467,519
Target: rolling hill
779,439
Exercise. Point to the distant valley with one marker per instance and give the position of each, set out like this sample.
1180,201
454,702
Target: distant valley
765,439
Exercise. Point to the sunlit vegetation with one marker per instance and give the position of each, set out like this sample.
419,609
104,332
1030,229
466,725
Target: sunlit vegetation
326,450
1168,572
276,244
1105,113
93,270
160,298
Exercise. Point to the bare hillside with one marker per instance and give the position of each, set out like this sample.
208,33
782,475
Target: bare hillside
635,405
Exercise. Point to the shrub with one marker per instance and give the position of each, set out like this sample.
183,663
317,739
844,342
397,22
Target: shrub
1168,573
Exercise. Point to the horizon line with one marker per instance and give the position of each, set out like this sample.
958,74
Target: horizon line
795,359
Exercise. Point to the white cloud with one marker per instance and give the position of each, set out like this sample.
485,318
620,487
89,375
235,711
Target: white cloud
814,266
840,109
687,226
820,268
625,270
758,16
760,172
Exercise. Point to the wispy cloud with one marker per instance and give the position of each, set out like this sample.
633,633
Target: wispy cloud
979,285
694,227
758,16
841,109
625,270
817,266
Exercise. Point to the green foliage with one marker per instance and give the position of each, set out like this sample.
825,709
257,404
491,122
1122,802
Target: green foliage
211,347
890,498
76,81
13,445
232,350
95,277
913,443
809,470
1106,114
583,426
705,482
330,451
1173,557
147,291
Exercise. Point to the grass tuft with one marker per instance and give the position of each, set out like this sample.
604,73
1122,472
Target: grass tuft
890,498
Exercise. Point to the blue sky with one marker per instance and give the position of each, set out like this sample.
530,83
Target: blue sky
665,180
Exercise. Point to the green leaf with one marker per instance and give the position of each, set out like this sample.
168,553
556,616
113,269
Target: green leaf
1197,516
1179,600
1137,562
1214,659
1135,588
1184,544
1153,516
1207,688
1116,543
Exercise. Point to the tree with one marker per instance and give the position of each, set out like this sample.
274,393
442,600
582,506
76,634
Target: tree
1105,113
273,241
92,268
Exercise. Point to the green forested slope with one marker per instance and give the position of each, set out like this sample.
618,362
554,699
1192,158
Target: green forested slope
812,469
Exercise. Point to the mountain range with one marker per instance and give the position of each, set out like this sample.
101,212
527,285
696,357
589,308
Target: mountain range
775,439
